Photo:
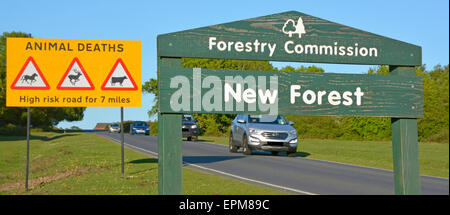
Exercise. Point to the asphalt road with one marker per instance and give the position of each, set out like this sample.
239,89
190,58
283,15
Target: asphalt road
292,174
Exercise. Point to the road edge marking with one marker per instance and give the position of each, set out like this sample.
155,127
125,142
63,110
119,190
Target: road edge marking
346,164
221,172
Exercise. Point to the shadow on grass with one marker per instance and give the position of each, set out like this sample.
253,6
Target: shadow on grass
36,137
302,154
209,140
203,140
45,138
145,160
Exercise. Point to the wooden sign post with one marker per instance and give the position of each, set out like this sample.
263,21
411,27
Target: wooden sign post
294,37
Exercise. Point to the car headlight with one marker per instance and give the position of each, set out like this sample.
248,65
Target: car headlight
293,143
293,132
253,131
193,126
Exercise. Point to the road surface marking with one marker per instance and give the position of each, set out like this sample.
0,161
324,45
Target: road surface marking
223,173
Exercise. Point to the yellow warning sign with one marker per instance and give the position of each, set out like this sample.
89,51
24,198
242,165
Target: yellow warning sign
73,73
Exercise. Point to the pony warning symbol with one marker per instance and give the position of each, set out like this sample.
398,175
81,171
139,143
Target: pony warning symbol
30,77
75,78
119,78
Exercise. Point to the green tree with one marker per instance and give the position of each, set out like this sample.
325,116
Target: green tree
227,64
434,126
368,128
302,69
40,117
379,70
151,86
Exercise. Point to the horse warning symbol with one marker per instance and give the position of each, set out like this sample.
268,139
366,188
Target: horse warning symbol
30,77
75,78
119,78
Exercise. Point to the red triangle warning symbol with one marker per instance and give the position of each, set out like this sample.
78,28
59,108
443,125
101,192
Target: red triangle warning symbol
119,78
30,77
75,78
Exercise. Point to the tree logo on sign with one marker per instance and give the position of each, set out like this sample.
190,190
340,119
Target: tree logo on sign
291,28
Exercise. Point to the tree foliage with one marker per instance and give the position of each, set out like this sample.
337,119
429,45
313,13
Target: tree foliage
302,69
435,124
151,86
17,116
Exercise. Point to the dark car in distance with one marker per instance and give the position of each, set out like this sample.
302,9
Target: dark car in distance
189,127
139,127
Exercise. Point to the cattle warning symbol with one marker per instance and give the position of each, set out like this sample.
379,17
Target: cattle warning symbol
30,77
75,78
119,78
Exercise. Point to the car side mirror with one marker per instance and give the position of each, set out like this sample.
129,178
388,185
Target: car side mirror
291,123
241,121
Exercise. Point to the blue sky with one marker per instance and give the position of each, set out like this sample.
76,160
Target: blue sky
423,23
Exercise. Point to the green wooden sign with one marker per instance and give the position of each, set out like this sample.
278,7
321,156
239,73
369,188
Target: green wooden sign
294,93
289,36
297,37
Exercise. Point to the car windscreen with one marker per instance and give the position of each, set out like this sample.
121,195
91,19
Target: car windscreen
187,117
267,119
140,124
114,125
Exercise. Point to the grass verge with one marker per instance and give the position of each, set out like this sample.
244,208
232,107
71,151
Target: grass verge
87,164
433,157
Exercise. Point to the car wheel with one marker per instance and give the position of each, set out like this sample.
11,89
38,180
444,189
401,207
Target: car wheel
274,153
231,145
189,138
245,147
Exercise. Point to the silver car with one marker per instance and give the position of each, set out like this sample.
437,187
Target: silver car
263,133
114,127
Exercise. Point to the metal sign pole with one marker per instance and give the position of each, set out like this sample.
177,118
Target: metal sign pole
28,147
122,138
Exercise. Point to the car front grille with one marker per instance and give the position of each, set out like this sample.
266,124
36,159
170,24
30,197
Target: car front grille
275,135
185,129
